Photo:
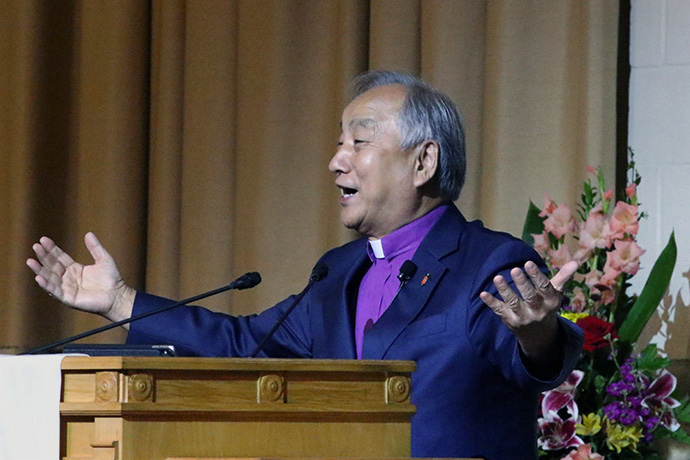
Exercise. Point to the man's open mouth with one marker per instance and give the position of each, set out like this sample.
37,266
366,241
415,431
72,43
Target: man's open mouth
347,192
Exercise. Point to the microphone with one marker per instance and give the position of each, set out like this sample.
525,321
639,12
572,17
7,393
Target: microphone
407,270
246,281
319,272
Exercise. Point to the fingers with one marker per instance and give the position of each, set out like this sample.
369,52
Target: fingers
564,275
46,279
532,288
550,291
499,307
510,298
49,266
50,255
95,247
536,291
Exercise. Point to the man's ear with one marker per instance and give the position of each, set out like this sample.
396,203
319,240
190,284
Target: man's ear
426,162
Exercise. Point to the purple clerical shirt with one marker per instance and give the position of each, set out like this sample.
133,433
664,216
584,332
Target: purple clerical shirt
380,283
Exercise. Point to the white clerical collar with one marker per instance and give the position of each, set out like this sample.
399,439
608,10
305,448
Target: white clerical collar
377,248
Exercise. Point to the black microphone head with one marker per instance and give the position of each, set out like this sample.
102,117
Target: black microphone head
407,270
248,280
319,272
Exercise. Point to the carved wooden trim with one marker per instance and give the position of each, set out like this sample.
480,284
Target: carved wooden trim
106,450
106,386
271,389
106,440
140,387
397,389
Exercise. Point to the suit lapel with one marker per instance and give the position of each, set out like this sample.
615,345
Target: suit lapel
441,240
339,317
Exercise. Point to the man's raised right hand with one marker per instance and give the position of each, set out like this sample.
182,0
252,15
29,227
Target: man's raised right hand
97,288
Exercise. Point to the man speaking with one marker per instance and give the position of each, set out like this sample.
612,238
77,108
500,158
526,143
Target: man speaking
475,312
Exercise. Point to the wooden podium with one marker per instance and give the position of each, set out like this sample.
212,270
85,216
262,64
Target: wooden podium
131,408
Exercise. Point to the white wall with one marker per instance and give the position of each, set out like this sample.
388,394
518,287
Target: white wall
660,136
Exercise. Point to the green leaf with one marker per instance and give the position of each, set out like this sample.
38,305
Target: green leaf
600,383
649,360
680,435
652,293
682,412
533,224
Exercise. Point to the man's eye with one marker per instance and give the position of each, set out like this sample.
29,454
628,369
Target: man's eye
360,141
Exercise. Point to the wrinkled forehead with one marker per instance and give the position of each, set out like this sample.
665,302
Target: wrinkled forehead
371,108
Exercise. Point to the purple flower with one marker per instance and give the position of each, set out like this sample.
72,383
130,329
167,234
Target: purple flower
622,413
620,388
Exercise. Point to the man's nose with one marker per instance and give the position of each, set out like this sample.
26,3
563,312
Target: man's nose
339,163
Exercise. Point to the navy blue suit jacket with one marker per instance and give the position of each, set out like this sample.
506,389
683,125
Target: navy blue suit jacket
474,396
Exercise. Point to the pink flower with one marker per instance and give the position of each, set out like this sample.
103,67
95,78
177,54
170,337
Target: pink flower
563,395
610,277
579,302
559,257
560,222
608,195
557,433
624,220
581,255
592,278
607,296
631,191
592,169
596,232
625,258
602,285
549,206
583,452
541,243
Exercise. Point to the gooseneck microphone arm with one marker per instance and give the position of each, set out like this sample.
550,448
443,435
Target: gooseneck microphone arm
317,274
246,281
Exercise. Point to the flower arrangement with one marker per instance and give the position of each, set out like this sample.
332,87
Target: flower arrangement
619,400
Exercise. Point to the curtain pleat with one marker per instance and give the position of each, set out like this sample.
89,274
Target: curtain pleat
193,137
548,73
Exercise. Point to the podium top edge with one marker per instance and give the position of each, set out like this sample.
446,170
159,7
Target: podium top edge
234,364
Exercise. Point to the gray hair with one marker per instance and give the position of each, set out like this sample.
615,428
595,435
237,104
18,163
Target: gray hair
427,114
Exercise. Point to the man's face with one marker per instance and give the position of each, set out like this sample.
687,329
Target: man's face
374,174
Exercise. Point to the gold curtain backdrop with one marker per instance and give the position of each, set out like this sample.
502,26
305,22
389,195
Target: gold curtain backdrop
193,137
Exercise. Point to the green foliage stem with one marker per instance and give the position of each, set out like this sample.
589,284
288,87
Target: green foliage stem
652,293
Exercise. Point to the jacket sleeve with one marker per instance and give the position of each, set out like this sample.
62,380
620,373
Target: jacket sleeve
494,342
196,331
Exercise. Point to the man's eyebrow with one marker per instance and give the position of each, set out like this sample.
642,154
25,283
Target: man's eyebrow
368,123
